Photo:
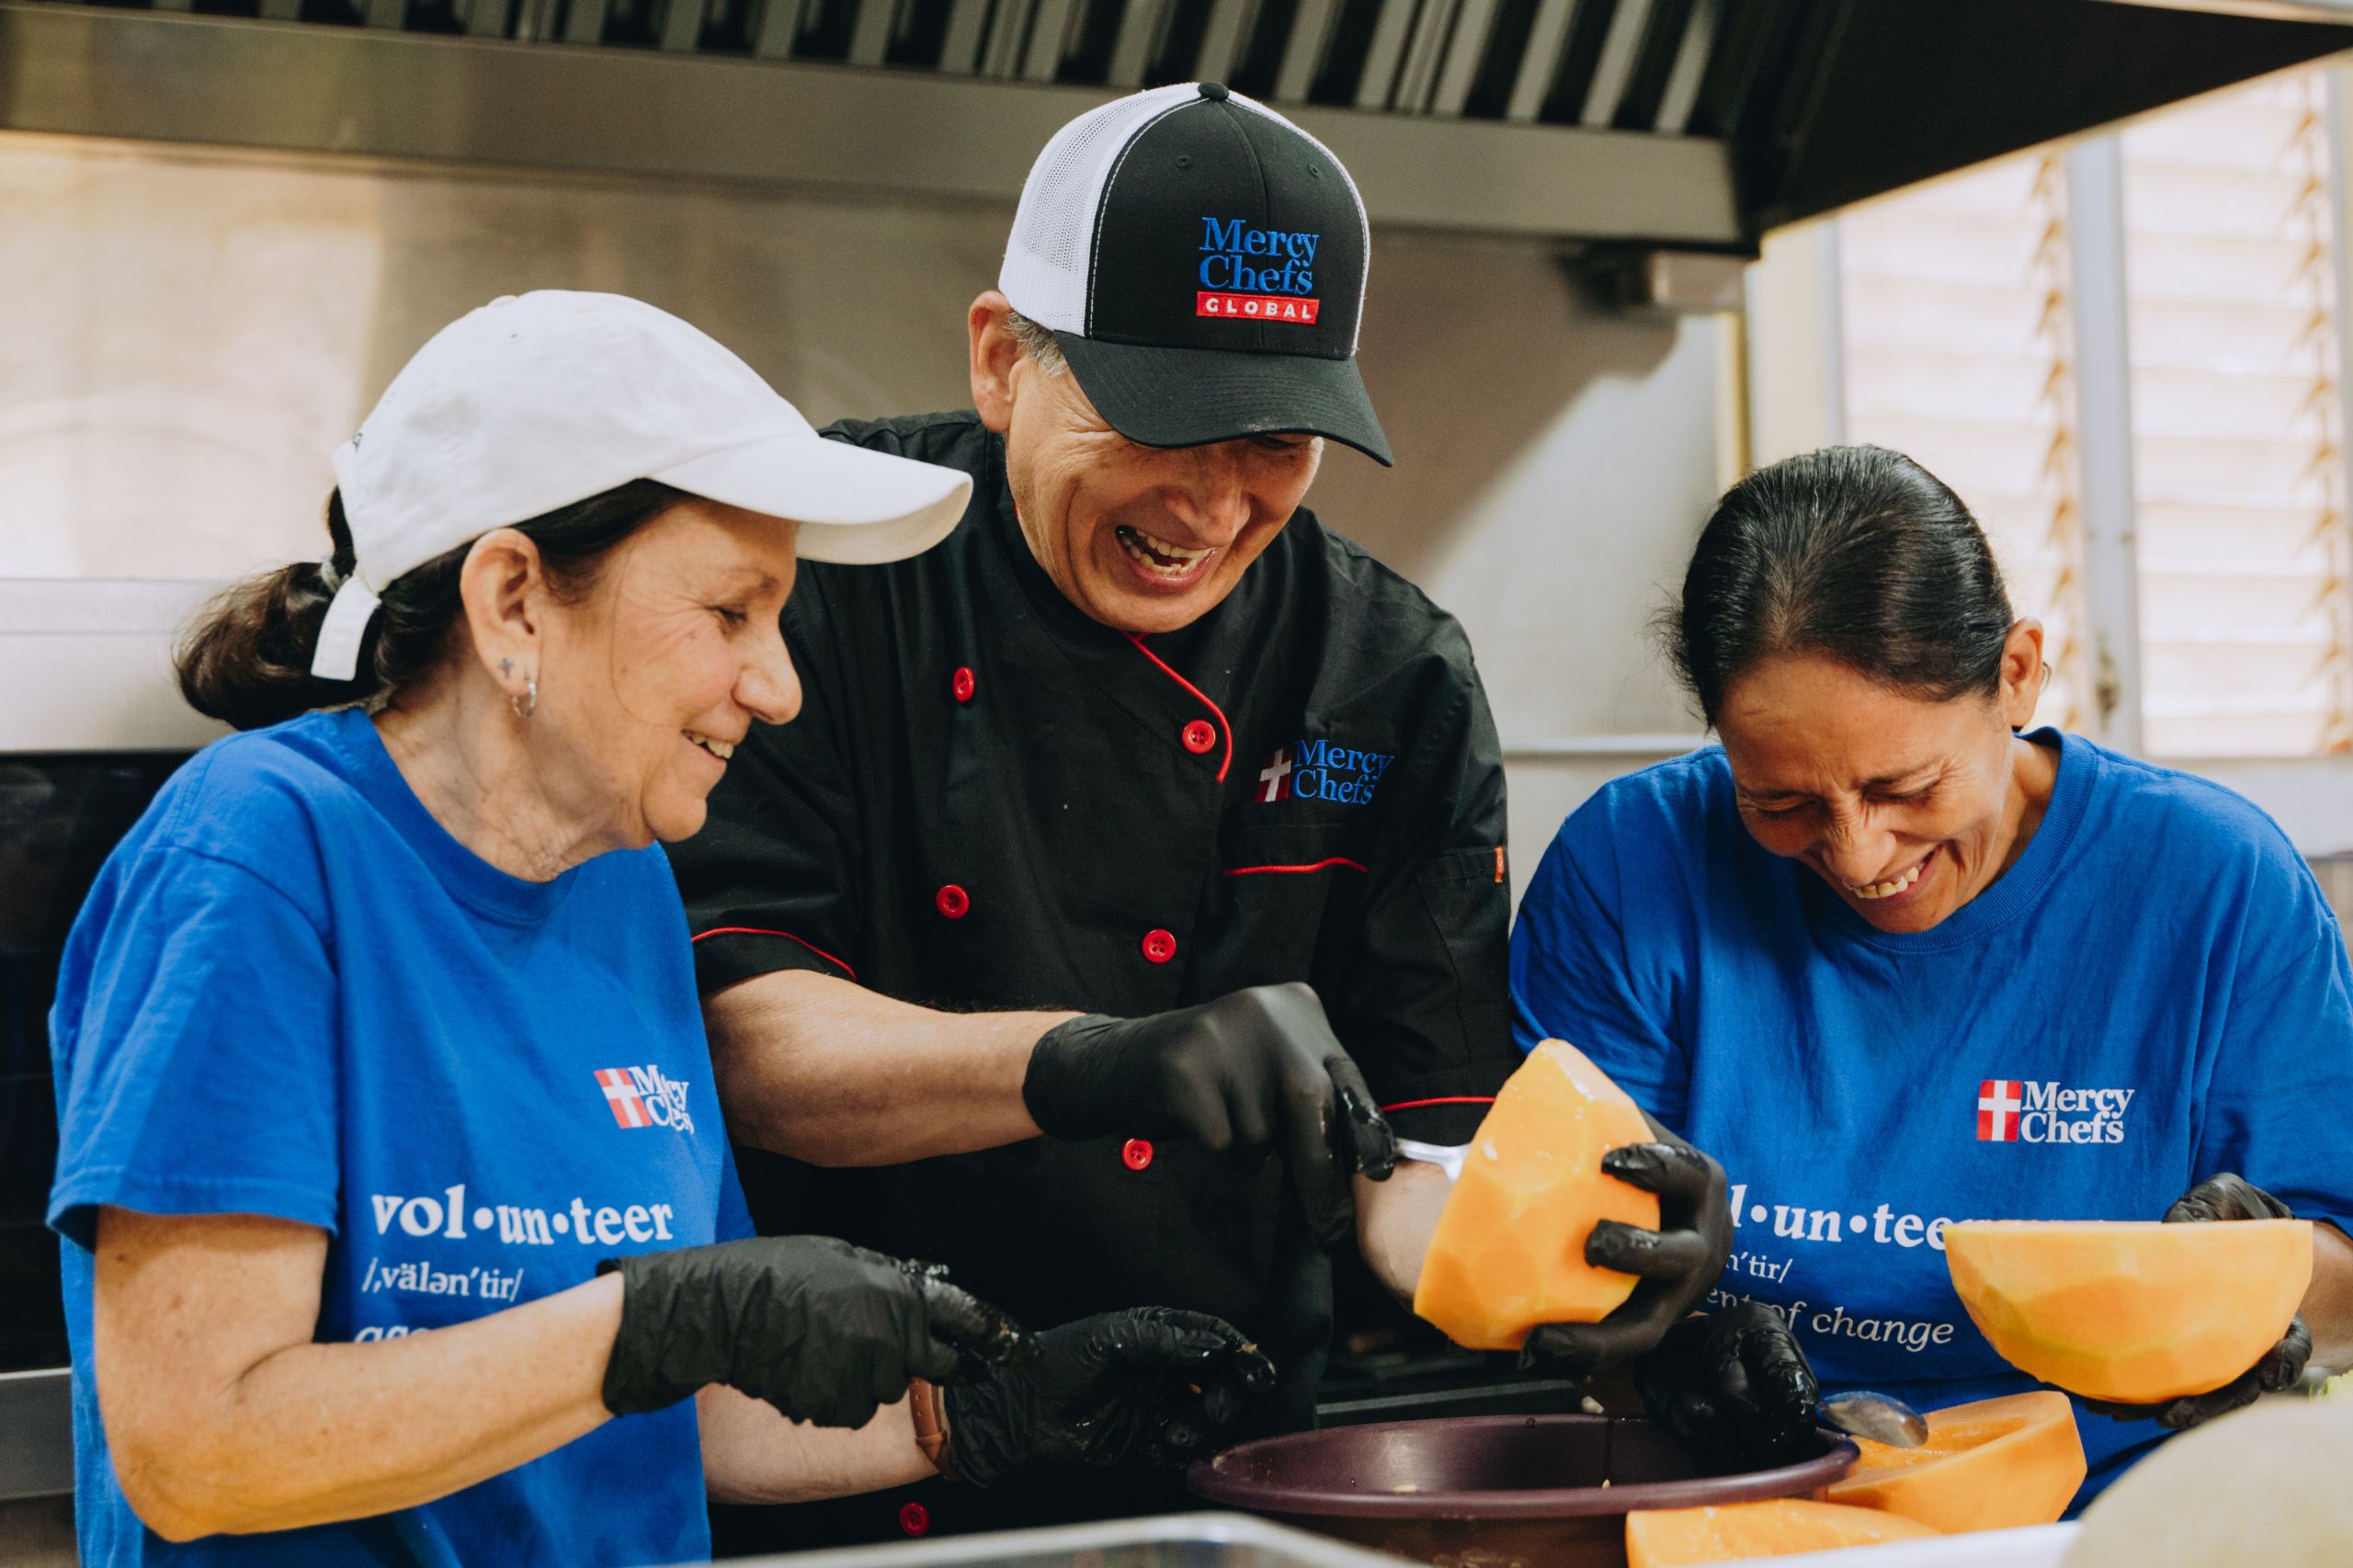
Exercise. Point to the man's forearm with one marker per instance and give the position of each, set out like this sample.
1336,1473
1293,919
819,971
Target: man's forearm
1394,1218
752,1454
827,1071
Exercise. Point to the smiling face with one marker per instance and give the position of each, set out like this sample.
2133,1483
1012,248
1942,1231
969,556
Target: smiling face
1141,539
657,673
1908,807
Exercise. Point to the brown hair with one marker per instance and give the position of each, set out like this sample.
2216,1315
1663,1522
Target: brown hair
246,658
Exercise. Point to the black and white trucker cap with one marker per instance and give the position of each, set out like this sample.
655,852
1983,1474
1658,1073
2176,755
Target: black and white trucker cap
1201,261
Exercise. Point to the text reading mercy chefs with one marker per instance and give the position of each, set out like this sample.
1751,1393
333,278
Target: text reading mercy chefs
1240,276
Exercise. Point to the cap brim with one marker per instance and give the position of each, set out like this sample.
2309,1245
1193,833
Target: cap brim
854,506
1189,397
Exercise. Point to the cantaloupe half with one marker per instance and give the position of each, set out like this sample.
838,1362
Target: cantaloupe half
1735,1532
2132,1310
1508,1251
1995,1464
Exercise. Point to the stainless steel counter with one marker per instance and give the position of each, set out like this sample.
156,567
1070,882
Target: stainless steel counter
1174,1541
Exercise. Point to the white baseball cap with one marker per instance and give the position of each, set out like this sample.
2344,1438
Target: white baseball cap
537,400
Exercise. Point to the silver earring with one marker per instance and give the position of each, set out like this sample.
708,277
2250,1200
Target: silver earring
529,703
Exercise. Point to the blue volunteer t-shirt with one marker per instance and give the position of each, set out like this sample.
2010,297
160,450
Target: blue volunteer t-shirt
2155,991
292,992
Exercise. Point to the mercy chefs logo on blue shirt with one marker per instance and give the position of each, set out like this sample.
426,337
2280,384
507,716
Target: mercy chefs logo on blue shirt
642,1097
1256,274
1319,770
2011,1112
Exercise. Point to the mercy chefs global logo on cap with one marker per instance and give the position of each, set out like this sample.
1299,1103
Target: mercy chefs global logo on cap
2012,1111
644,1096
1241,278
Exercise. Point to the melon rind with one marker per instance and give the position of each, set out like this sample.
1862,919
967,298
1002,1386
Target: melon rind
2135,1311
1508,1250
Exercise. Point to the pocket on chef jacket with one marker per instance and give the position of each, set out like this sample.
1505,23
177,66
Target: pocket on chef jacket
1297,890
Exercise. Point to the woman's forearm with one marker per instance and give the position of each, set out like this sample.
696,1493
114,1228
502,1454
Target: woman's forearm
2328,1301
752,1454
209,1440
828,1072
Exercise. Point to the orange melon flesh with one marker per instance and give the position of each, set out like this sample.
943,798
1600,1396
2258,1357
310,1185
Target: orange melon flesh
1508,1250
1733,1532
1995,1464
2131,1311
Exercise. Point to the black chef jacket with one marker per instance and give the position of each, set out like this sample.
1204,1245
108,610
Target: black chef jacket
991,801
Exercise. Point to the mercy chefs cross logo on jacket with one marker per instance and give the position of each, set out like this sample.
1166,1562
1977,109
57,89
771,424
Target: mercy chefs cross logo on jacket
644,1096
1319,770
2010,1110
1256,274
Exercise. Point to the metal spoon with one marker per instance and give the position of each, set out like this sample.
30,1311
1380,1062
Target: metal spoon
1881,1417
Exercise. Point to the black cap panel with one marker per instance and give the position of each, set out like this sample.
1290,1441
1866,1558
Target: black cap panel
1221,229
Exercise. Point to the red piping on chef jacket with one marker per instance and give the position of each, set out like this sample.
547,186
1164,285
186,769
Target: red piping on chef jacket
1223,727
761,931
1318,865
1442,1099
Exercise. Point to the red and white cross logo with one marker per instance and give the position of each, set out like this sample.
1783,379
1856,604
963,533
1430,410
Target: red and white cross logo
1997,1110
1276,777
620,1093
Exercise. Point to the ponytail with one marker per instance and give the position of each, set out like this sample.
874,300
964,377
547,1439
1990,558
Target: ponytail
246,658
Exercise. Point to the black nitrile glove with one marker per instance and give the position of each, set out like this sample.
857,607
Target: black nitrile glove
1255,1069
2225,1196
1678,1263
1734,1387
823,1331
1152,1383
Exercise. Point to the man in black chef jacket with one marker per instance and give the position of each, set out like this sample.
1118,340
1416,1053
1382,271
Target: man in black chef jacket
1080,797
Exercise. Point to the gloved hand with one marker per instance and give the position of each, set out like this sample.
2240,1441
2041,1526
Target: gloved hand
1678,1263
1733,1386
1152,1383
823,1331
1255,1068
2225,1196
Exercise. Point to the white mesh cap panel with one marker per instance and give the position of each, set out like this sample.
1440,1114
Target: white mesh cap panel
1355,198
1049,254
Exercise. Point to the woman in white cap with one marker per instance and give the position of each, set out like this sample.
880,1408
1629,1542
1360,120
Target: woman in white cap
390,1172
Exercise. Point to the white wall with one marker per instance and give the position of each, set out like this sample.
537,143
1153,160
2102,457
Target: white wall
184,337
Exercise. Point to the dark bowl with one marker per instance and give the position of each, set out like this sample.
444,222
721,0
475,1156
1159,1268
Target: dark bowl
1491,1491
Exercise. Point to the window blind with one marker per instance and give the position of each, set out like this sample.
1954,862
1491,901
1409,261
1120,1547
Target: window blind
2238,461
1957,350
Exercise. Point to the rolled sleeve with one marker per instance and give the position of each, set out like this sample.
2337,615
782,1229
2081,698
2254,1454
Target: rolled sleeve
198,1076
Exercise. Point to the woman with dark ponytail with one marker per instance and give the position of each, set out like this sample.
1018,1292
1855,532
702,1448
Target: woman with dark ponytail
1898,959
400,1222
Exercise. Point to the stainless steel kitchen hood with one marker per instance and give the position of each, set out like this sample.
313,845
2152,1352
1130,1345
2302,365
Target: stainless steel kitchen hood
1681,123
